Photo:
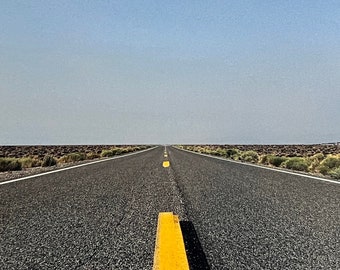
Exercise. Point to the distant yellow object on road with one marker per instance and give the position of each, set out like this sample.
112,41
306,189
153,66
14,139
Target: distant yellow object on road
166,164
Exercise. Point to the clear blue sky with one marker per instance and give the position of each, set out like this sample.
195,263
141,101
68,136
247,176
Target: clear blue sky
98,72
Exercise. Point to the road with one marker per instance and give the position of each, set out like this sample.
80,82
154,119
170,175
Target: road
104,216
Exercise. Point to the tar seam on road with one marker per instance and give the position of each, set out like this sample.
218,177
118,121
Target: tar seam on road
258,166
73,167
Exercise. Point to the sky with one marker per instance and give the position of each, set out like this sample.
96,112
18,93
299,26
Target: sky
169,72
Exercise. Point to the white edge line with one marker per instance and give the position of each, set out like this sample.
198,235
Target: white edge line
73,167
263,167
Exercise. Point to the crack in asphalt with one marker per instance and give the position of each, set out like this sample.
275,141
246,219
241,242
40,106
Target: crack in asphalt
126,209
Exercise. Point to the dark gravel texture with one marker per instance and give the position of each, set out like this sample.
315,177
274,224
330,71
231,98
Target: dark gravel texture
104,216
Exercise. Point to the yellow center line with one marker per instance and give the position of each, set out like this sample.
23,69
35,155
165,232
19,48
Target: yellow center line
169,248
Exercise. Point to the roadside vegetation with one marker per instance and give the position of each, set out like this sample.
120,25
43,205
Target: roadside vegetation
319,164
10,164
17,164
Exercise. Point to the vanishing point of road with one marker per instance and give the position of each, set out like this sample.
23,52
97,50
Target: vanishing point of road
104,215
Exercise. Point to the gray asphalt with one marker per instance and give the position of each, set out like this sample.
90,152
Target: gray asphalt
104,216
253,218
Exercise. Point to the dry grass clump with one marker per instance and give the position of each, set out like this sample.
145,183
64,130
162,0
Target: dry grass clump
233,153
72,157
296,163
330,165
29,162
10,164
92,155
335,173
249,156
273,160
112,152
48,161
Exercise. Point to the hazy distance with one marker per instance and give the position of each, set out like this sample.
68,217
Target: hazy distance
126,72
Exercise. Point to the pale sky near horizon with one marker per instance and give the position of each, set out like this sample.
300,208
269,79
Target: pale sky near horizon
163,72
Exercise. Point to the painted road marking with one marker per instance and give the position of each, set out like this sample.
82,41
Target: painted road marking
169,248
165,155
73,167
166,164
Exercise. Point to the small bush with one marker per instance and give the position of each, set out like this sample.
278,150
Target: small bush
92,155
323,169
295,163
335,173
14,165
331,162
250,156
197,149
29,162
107,153
276,160
318,156
26,162
210,152
264,159
314,161
10,164
221,152
112,152
48,161
273,160
127,149
117,151
200,150
328,165
233,153
72,157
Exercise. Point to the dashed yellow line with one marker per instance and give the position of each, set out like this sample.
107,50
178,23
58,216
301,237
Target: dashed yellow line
169,249
166,164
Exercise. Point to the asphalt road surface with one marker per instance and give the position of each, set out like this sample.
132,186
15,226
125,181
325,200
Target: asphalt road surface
104,216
